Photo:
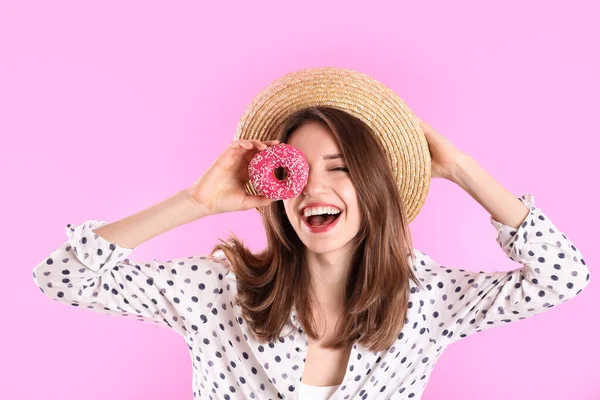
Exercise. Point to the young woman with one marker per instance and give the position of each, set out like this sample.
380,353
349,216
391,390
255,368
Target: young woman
343,312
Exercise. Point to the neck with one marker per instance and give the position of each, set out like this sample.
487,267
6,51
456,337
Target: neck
328,275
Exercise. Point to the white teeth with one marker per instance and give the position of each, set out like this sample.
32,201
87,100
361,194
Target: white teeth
320,210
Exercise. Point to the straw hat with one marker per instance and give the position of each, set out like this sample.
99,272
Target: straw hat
395,126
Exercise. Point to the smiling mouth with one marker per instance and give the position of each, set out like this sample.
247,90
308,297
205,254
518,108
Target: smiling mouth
320,221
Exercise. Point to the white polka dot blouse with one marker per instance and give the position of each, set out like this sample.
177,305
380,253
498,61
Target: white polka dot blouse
194,296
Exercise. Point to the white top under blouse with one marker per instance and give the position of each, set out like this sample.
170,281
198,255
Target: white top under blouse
308,392
194,296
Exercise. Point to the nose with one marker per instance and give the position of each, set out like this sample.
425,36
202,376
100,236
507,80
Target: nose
315,185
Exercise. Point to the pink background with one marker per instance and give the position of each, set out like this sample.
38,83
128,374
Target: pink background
109,108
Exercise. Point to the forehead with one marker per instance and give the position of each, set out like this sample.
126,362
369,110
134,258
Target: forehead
314,140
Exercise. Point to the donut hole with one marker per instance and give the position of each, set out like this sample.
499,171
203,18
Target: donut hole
281,173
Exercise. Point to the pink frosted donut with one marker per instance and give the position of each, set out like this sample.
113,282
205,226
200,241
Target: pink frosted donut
261,171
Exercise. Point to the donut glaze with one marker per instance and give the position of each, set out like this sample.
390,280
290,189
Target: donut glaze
261,171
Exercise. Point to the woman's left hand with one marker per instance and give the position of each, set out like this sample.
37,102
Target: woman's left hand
444,155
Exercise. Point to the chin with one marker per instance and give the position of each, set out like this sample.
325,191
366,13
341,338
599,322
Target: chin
323,247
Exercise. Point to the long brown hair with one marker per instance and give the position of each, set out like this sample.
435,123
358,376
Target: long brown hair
376,299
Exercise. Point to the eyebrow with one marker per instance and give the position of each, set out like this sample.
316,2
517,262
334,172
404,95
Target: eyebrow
332,156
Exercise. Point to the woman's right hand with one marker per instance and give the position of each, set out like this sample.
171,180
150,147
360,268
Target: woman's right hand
222,188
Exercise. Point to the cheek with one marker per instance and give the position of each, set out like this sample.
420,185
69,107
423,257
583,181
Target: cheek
289,211
349,196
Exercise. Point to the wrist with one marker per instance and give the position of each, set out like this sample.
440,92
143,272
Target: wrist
192,208
464,164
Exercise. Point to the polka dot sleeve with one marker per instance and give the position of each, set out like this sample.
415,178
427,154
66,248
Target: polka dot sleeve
88,271
553,272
